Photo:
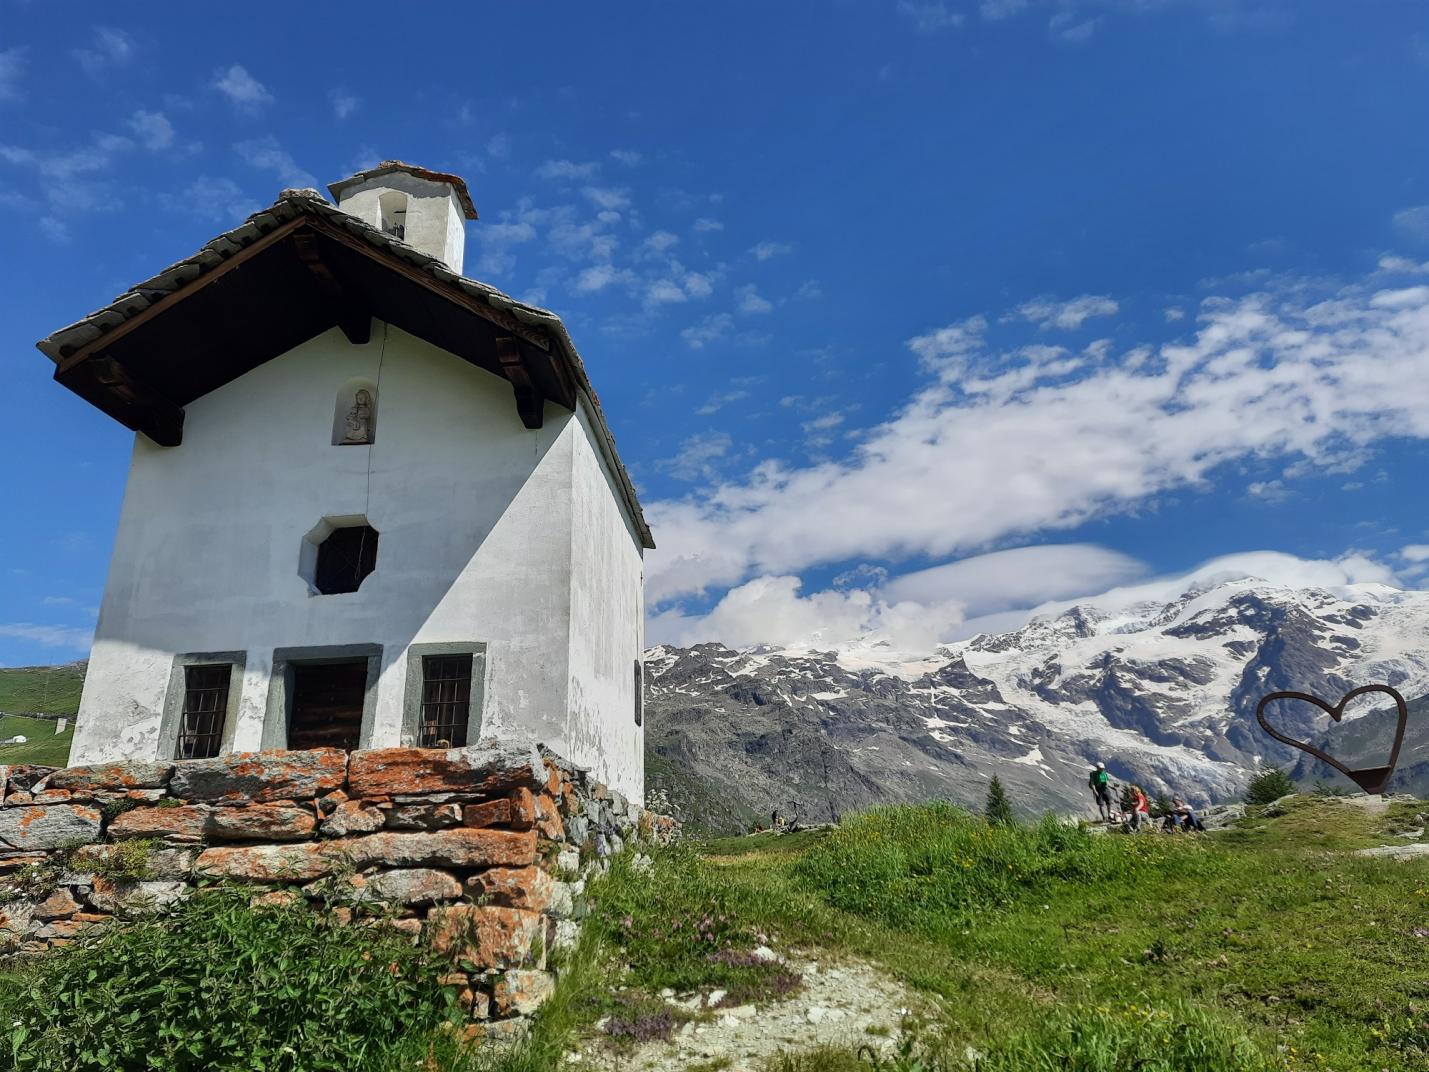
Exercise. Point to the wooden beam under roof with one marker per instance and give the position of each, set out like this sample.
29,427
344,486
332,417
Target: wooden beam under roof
350,309
106,383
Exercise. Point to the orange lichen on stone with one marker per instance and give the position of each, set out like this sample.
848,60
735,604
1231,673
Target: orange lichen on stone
491,813
529,888
523,809
484,936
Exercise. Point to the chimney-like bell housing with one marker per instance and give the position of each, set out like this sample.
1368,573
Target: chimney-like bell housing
427,210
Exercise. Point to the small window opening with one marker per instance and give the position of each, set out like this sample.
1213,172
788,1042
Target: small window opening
205,704
393,206
639,693
446,700
345,558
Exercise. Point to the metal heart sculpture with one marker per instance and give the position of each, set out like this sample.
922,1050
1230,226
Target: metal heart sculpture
1370,779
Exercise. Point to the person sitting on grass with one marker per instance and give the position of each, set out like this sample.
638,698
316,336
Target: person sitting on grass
1186,816
1099,782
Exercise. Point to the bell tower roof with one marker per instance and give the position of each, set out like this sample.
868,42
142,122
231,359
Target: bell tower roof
456,182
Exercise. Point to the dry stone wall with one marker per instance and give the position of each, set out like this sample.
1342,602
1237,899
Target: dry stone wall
484,851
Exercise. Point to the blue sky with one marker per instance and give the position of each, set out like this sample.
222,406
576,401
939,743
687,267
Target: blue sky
866,288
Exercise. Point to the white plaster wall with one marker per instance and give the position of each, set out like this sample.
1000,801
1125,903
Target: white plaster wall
607,622
435,223
475,514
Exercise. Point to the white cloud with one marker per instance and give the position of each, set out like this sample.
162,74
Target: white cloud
708,330
267,155
1003,443
498,146
704,225
763,251
664,292
12,72
1066,26
1413,222
1067,315
628,157
929,16
53,229
566,169
697,456
343,102
610,198
153,129
715,403
598,277
1415,552
661,241
51,636
750,300
698,284
1173,314
242,90
1001,9
219,199
1402,265
111,48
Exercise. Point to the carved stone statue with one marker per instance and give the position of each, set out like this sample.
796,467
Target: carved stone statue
359,419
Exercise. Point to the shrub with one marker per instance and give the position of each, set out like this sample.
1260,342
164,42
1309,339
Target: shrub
216,984
1269,785
998,808
932,865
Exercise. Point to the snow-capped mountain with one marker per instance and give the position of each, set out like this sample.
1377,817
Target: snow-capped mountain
1163,692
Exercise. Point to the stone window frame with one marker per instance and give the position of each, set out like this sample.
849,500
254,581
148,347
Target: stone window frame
280,686
412,690
173,713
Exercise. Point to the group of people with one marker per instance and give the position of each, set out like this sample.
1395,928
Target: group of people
1130,808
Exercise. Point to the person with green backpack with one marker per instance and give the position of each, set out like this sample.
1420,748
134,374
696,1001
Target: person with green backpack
1099,782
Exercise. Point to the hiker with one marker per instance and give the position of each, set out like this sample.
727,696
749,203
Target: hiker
1099,782
1186,816
1140,809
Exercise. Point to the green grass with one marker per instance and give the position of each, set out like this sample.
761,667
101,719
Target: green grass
45,746
49,690
1270,946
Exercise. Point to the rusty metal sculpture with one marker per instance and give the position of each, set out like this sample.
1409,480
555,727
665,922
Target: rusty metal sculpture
1370,779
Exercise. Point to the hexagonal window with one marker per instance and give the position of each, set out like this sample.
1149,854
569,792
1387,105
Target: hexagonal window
338,554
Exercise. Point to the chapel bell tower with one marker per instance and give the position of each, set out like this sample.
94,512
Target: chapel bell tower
426,209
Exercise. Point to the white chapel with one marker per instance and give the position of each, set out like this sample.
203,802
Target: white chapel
371,502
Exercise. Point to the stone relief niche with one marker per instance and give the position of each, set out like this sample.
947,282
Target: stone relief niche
354,421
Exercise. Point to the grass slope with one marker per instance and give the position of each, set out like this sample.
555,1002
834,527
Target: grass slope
45,746
50,690
1270,946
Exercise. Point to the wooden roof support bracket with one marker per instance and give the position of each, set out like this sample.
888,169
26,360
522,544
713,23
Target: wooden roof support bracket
100,378
529,403
351,313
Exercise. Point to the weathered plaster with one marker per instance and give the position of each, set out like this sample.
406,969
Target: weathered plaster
435,223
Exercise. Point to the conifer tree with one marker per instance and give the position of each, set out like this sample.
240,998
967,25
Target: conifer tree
998,808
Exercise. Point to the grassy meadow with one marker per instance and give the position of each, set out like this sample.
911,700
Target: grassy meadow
44,745
1025,947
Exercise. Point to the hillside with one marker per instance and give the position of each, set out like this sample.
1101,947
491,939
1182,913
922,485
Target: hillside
52,690
1163,692
43,745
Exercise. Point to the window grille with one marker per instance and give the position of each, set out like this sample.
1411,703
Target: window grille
205,704
345,559
446,700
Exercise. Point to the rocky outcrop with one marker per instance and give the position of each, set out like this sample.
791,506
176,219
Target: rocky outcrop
482,851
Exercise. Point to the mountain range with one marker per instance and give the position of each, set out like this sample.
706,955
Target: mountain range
1163,691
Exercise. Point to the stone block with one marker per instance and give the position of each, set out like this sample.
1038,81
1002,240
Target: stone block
528,888
413,886
31,828
523,809
189,821
548,819
260,777
125,774
261,822
489,767
135,898
488,813
353,817
425,817
460,847
521,992
484,936
272,863
58,905
26,777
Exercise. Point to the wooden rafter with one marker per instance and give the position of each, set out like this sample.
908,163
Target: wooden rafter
529,403
350,311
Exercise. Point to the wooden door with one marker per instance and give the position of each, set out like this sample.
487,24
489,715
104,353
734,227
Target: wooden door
327,705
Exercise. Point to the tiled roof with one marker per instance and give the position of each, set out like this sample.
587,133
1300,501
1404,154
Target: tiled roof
456,181
294,203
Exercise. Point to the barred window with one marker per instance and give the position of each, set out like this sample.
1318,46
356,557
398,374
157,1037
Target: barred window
205,704
446,700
